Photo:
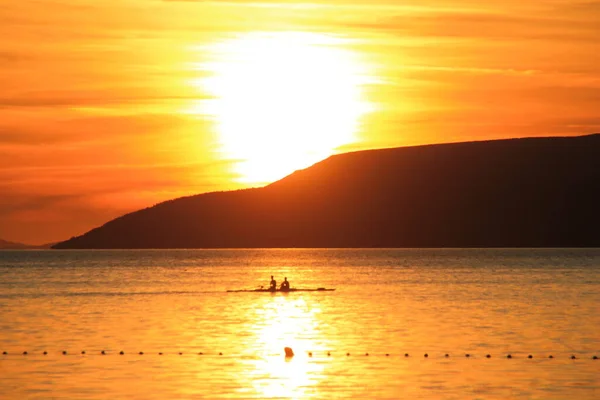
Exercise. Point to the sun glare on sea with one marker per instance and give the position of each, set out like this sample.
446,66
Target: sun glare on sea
281,322
282,101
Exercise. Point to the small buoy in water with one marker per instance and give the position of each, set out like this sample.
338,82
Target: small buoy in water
405,354
220,354
550,356
467,355
509,356
141,353
122,352
426,355
83,352
366,354
328,353
288,352
347,354
45,353
160,354
180,353
24,353
4,353
573,358
595,358
387,354
530,356
64,352
446,355
488,356
310,353
200,354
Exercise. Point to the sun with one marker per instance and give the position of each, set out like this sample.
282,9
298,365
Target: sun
282,101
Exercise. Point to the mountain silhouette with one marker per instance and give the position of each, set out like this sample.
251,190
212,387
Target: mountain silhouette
533,192
6,245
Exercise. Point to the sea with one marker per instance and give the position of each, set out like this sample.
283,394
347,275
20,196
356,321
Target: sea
401,324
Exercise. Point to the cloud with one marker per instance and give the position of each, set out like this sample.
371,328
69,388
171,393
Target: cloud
11,57
79,130
588,9
60,99
483,24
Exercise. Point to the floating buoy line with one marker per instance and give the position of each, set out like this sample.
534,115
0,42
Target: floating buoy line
289,353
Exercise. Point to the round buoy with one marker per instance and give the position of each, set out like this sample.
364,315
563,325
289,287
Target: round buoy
122,352
550,356
24,353
180,353
288,352
446,355
83,352
160,354
328,354
366,354
347,354
200,354
64,352
220,354
426,355
530,356
4,353
573,357
310,353
387,354
509,356
595,358
45,353
467,355
103,352
488,356
405,354
141,353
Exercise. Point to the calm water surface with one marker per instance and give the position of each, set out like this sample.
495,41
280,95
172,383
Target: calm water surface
496,301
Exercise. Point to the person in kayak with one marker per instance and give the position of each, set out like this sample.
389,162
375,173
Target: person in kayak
273,284
285,285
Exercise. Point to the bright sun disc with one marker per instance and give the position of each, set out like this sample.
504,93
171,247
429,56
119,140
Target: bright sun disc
282,101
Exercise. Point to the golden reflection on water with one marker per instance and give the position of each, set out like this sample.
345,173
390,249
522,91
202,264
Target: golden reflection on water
285,322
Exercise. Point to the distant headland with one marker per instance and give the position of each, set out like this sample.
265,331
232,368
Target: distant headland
533,192
6,245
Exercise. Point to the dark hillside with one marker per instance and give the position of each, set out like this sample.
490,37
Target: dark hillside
6,245
534,192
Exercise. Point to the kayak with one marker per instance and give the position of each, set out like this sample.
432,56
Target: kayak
283,291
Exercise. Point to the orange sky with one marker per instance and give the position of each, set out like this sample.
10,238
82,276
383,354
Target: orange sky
109,106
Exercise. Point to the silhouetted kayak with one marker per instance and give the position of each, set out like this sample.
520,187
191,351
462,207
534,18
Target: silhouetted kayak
283,291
